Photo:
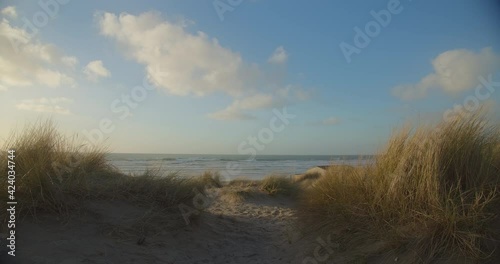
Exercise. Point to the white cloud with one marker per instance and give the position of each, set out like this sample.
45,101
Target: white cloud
48,105
25,61
9,11
52,78
185,63
255,102
176,60
237,109
279,56
331,121
455,71
95,69
69,61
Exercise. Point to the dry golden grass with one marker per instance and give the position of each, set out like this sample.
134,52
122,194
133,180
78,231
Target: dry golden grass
150,188
307,177
48,166
434,189
54,174
231,194
275,185
211,179
243,182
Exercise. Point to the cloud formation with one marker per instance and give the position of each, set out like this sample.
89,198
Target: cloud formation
178,61
47,105
185,63
9,11
95,70
455,71
279,56
240,108
25,61
237,109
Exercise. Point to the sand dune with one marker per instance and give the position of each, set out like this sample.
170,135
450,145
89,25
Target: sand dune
257,230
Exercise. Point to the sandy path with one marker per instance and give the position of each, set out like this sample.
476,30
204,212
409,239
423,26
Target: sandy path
258,230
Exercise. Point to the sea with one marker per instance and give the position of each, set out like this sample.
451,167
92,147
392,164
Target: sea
229,166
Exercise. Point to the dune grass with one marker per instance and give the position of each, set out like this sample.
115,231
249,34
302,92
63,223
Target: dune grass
433,189
236,194
243,182
150,188
278,185
308,176
211,179
55,174
48,166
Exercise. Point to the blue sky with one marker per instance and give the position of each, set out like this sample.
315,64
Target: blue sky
204,76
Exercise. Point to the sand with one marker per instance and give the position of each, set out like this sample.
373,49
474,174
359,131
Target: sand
258,229
239,224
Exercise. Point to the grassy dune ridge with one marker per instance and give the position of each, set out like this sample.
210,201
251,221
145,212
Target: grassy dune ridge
54,174
434,190
276,184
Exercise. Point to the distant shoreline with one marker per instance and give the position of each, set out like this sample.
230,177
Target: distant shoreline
194,164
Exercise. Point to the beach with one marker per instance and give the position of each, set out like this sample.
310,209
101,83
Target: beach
408,204
232,131
256,230
237,223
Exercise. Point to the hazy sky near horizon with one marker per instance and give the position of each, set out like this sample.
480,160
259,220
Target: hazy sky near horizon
208,76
